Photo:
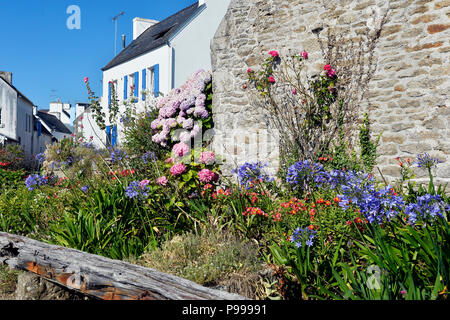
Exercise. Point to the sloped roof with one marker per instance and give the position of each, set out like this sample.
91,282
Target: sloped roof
53,122
154,37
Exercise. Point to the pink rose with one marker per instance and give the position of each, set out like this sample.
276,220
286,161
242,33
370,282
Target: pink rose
249,70
304,54
162,181
207,157
206,175
294,91
327,67
86,79
274,53
271,79
177,169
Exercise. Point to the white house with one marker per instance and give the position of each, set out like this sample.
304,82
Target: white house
18,124
161,56
85,125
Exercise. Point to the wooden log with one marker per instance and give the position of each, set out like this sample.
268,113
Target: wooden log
100,276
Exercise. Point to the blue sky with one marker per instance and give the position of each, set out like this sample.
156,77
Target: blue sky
49,61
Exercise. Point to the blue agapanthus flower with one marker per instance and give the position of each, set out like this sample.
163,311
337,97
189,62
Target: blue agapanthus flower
118,155
427,161
427,209
148,155
137,190
251,172
303,237
34,181
40,157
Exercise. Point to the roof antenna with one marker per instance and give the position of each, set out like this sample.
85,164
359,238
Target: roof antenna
115,31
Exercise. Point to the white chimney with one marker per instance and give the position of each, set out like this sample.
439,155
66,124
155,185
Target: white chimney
201,2
140,25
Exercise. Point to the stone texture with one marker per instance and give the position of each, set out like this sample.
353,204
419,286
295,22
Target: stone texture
408,97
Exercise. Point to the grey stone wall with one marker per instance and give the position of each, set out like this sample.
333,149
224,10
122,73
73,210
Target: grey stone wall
408,96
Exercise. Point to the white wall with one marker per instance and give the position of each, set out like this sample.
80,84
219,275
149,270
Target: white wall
161,56
8,104
86,127
192,45
25,125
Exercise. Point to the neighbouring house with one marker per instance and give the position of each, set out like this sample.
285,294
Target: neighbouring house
18,124
52,124
161,57
86,127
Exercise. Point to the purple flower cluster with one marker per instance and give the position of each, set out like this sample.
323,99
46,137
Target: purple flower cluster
180,108
34,181
303,237
426,161
305,175
118,155
376,204
251,172
40,157
147,155
427,209
138,190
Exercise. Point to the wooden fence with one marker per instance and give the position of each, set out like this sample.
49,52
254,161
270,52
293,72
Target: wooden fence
98,276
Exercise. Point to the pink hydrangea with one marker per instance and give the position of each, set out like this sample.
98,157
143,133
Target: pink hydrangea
206,175
181,149
207,157
177,169
162,181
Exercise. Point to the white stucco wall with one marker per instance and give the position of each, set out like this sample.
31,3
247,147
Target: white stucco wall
8,104
192,44
86,127
161,56
25,125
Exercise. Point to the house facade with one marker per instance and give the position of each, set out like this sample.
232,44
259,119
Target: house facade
22,124
161,57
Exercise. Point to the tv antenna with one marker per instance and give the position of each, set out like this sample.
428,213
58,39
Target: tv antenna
115,31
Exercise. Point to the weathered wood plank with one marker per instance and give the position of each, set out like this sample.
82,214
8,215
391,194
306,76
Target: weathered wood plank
100,276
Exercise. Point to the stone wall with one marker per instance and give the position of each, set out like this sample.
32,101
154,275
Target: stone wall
408,96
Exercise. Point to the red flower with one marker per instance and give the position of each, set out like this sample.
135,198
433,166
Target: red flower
271,79
274,53
86,79
327,67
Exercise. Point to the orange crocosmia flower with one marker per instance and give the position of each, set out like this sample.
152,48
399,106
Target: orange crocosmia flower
313,205
327,203
337,199
311,227
320,200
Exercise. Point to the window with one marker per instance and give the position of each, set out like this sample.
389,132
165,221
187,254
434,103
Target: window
1,115
151,80
131,88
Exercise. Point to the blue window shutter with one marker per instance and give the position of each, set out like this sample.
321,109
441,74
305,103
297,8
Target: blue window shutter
125,88
156,80
109,95
136,84
114,136
108,136
39,128
144,82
